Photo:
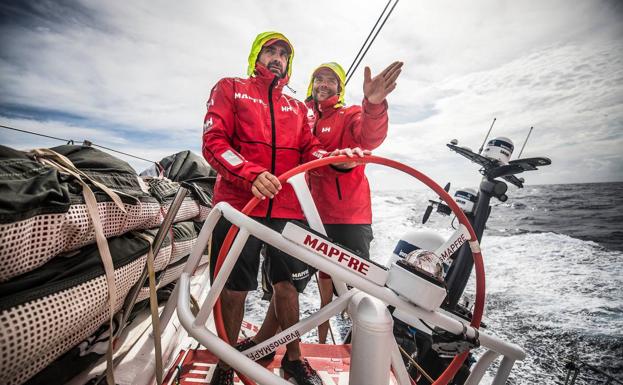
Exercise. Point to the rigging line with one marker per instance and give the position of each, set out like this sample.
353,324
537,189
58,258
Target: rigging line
414,363
372,41
35,133
82,142
367,38
124,153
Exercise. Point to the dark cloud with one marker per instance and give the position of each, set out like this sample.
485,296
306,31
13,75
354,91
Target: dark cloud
24,25
17,111
54,15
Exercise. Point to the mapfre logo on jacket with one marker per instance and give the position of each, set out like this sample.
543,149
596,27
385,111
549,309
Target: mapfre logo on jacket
239,95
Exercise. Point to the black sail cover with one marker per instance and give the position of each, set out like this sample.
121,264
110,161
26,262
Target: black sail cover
106,169
69,270
189,169
43,213
28,188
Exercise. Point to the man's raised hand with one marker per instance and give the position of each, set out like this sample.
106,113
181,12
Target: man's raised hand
376,89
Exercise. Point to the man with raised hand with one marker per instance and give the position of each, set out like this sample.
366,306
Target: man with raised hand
346,206
252,132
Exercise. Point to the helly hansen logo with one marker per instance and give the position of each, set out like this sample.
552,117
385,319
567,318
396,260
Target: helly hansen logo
325,129
290,108
239,95
207,125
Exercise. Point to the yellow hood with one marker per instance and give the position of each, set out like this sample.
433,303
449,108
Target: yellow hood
259,42
339,71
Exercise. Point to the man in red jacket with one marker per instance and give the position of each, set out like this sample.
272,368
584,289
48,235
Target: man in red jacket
252,132
346,208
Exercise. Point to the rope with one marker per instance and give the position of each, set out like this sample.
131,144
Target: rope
417,366
63,164
35,133
84,142
121,152
367,38
153,307
372,41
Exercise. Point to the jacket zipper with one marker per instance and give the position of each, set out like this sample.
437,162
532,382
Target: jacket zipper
318,118
337,182
273,144
339,191
317,108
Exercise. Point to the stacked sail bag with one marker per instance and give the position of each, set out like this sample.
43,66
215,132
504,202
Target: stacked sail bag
43,212
60,278
52,290
163,181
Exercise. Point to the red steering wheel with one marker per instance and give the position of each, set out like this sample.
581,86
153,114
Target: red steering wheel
456,363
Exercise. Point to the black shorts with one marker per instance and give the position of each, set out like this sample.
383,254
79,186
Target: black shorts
280,266
355,237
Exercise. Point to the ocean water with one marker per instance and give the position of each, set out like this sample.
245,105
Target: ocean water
554,274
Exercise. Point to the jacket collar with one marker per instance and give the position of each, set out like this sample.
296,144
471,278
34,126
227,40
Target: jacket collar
327,107
264,78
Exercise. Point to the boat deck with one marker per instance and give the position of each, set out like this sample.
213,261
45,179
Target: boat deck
332,362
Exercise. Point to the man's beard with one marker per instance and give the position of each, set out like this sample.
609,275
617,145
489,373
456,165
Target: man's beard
326,94
275,67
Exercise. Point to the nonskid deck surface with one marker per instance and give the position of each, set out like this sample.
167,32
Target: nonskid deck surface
332,362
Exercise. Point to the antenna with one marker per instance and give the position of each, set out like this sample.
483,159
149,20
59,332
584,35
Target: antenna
485,141
524,143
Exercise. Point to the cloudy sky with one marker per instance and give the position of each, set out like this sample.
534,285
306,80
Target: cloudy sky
134,76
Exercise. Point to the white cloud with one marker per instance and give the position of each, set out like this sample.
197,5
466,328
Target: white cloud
560,91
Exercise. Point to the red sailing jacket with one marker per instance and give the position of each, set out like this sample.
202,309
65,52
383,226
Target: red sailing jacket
247,132
345,197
